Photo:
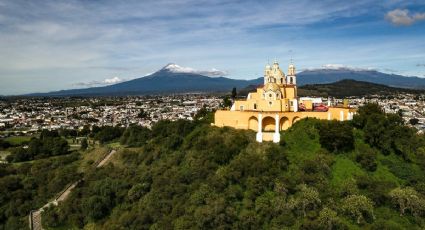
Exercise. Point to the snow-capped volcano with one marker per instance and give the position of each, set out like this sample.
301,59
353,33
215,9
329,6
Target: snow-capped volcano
174,68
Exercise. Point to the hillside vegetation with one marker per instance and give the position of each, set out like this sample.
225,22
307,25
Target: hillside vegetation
347,88
364,174
342,89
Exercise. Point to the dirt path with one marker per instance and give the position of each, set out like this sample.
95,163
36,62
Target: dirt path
106,159
35,215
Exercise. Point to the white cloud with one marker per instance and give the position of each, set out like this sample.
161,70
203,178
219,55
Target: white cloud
107,81
402,17
113,80
340,67
210,73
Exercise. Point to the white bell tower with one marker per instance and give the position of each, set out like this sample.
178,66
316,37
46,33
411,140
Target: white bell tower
291,78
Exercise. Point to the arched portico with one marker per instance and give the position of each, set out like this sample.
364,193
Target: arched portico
295,119
269,124
253,123
284,123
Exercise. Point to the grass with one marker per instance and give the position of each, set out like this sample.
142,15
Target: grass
114,145
4,154
18,140
392,217
343,169
90,156
301,141
382,173
73,145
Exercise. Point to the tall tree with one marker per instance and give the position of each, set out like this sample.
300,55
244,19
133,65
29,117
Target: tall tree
84,144
234,93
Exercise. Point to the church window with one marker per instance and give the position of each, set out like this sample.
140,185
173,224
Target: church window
270,95
255,106
270,103
241,107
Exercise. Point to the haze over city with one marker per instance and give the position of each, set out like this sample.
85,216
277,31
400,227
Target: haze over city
54,45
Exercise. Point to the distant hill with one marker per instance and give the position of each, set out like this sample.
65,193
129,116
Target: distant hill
322,76
346,88
342,88
175,79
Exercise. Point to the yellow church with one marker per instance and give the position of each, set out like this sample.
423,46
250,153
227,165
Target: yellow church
275,106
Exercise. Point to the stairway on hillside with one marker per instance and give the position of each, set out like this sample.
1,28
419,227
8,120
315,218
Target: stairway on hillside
35,216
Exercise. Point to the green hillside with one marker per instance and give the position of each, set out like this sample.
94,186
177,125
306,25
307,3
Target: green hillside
324,175
347,88
368,173
341,89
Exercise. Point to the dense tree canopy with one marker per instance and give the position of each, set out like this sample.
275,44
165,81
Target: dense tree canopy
49,144
191,175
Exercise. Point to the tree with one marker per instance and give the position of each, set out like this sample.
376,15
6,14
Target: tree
307,198
4,144
84,144
202,114
407,199
328,218
336,136
414,121
137,191
108,133
135,136
364,112
96,207
46,134
366,157
48,145
227,103
85,131
377,131
400,112
358,206
234,93
142,114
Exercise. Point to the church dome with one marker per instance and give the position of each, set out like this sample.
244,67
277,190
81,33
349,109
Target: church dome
271,87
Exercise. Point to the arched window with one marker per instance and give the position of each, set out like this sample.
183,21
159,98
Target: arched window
255,106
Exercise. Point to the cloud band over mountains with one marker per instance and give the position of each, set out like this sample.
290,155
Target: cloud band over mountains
107,81
210,73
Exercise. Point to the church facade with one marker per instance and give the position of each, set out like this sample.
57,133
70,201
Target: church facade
275,106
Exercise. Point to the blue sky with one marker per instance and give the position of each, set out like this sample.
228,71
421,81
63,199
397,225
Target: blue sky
52,45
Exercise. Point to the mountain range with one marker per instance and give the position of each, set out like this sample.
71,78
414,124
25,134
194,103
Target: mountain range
175,79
